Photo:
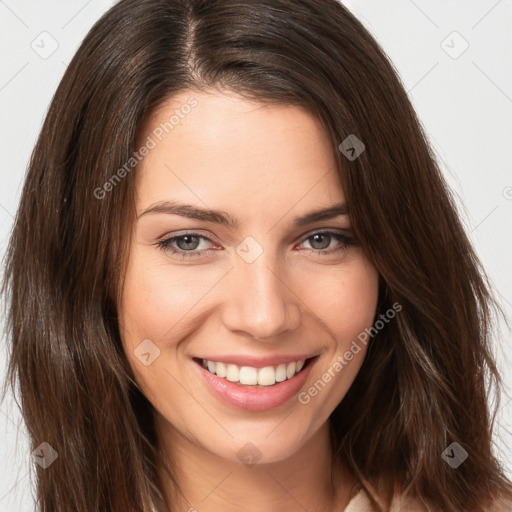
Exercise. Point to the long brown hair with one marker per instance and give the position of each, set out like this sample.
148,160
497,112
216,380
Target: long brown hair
427,375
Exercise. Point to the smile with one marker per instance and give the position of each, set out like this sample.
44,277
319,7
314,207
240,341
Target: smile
254,388
251,376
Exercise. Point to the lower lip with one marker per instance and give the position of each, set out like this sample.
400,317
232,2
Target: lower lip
252,398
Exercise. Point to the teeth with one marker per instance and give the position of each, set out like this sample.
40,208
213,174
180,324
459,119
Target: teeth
249,376
281,373
266,376
290,370
219,369
232,373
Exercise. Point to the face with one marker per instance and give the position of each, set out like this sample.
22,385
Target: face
240,304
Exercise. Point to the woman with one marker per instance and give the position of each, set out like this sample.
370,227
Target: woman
237,279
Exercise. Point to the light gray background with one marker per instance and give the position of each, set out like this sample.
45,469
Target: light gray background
463,98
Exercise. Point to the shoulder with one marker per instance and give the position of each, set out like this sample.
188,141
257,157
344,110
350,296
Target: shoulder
361,503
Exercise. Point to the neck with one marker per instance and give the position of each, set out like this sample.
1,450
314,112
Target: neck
306,480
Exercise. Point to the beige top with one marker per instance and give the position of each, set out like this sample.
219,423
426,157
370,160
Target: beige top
361,503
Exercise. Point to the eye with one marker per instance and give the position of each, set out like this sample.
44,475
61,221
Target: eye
330,240
186,245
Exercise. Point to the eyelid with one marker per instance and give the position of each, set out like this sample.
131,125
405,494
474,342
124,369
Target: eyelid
340,231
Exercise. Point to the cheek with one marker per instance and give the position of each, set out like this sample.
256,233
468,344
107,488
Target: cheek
156,300
157,297
345,300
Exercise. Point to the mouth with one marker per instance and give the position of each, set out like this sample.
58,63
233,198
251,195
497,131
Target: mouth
252,376
254,388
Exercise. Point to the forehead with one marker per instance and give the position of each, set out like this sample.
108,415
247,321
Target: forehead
228,152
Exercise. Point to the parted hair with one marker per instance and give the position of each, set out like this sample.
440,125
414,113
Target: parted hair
428,375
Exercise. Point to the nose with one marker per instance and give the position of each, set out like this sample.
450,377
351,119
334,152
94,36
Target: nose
260,302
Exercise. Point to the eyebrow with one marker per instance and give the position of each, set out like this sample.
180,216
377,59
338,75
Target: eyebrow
219,217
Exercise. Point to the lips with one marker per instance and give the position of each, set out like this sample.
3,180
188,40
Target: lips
255,397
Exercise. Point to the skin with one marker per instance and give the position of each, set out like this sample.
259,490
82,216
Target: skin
264,165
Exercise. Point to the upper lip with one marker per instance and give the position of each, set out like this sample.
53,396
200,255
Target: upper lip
257,361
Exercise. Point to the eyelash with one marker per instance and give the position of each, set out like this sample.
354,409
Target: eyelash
165,245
